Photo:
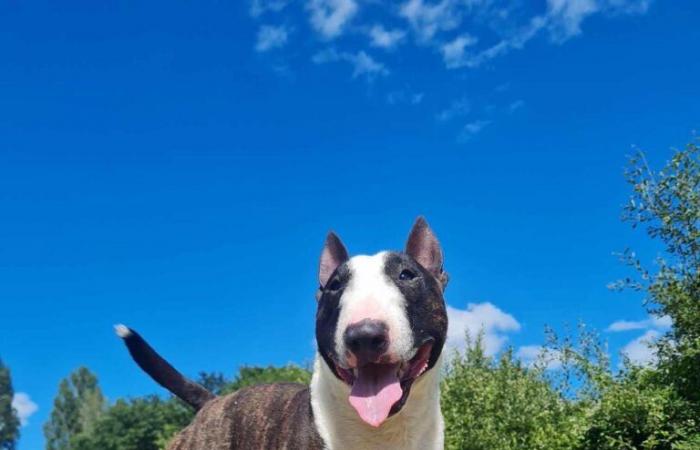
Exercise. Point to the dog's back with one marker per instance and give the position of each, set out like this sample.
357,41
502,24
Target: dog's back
271,416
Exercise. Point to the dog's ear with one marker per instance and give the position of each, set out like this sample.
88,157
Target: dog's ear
332,256
423,246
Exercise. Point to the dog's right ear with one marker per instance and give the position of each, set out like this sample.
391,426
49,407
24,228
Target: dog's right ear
332,256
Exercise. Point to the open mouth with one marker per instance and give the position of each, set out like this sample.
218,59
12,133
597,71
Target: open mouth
379,390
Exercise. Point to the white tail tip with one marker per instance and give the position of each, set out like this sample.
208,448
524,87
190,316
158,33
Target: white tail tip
122,331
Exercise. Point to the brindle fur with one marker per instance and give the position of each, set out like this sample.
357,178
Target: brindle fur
271,416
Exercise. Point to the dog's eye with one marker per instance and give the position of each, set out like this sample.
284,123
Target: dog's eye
335,285
406,275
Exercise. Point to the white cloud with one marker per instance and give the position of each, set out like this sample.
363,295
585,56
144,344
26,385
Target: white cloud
514,42
480,317
24,406
626,325
441,25
453,52
259,7
457,108
428,19
270,37
661,321
404,97
516,105
628,6
362,63
565,16
475,127
656,322
530,354
383,38
329,17
640,350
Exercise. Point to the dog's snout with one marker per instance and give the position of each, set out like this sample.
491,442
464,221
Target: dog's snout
367,340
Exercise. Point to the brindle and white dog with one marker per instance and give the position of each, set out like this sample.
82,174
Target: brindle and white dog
380,329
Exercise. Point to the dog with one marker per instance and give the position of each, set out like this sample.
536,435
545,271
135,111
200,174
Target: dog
381,325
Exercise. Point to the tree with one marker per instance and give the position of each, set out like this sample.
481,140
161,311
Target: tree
140,424
77,406
148,423
252,375
667,203
9,422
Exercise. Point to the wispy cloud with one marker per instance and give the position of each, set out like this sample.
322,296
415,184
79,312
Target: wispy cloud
658,322
453,52
404,97
516,105
24,406
271,37
427,19
565,16
441,25
484,318
503,47
457,34
363,64
260,7
472,128
330,17
383,38
458,108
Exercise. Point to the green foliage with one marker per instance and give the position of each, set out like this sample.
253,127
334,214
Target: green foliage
638,412
139,424
568,399
498,404
250,375
148,423
214,382
667,202
9,423
77,406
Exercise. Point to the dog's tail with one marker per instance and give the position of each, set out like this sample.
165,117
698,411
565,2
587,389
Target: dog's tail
161,371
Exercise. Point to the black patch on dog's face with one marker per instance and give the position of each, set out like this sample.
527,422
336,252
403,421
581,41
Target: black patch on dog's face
327,314
425,306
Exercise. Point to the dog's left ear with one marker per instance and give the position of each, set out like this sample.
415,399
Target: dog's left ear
423,246
333,255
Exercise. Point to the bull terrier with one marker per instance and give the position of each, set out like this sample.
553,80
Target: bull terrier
380,329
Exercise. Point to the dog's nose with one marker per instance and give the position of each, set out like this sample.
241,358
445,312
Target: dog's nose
367,340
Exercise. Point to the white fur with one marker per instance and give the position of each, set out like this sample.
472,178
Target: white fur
417,426
370,294
122,331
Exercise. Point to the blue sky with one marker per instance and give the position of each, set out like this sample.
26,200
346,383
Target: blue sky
176,166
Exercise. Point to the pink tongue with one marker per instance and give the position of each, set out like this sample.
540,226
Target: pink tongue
375,391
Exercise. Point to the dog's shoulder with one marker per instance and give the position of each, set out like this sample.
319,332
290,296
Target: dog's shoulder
269,416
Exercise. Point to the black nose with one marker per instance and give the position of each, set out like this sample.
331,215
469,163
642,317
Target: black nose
367,340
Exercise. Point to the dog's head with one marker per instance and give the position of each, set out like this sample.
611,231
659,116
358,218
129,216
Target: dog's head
381,320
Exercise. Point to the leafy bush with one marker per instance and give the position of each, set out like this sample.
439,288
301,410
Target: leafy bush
498,404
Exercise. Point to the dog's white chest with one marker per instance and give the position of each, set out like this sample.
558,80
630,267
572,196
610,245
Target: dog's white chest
418,426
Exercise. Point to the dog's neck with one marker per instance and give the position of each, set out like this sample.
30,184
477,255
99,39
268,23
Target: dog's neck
417,426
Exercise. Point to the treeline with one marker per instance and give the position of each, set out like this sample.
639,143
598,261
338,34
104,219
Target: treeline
569,398
82,419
